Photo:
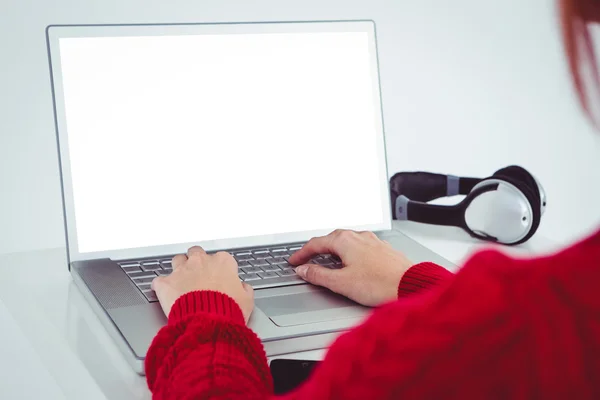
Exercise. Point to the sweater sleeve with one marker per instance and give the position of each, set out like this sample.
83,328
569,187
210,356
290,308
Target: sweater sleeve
423,277
206,351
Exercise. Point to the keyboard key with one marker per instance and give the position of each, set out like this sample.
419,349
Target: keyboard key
139,281
163,272
242,257
150,262
336,265
260,256
268,275
166,264
250,277
258,263
243,264
130,269
277,260
268,268
279,250
150,295
286,272
251,270
241,273
141,274
129,264
151,267
293,249
144,287
325,261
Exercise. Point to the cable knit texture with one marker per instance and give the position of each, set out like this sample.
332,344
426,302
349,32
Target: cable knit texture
499,328
422,277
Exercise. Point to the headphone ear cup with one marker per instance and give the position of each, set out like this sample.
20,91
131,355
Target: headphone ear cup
534,202
523,177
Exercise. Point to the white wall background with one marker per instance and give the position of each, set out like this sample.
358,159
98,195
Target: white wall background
469,86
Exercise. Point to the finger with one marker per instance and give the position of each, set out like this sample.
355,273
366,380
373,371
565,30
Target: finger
178,260
156,283
249,289
195,251
248,305
225,259
321,276
329,244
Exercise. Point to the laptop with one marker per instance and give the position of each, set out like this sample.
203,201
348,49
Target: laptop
250,138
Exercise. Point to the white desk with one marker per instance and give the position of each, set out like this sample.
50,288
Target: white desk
52,343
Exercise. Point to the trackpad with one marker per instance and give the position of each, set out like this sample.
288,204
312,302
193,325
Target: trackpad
306,308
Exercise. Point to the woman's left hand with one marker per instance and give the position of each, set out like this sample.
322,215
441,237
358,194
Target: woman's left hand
200,271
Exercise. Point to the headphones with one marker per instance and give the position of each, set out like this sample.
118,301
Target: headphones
505,208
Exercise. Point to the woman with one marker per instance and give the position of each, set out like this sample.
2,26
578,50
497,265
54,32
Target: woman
499,328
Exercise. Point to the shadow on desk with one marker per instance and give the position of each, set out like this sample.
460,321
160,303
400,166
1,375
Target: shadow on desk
445,233
440,238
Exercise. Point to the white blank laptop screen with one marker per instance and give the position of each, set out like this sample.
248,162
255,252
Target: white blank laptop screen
176,139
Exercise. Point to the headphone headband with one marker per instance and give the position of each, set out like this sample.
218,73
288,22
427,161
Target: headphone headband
426,186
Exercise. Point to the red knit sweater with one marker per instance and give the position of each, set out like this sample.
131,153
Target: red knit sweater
499,328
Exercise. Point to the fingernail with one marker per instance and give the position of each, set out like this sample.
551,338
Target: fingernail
301,270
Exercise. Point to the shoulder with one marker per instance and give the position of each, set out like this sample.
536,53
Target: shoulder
564,279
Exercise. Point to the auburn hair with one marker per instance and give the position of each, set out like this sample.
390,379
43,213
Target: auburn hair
576,17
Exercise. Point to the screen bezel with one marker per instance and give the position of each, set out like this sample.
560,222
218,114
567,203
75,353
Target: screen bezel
55,32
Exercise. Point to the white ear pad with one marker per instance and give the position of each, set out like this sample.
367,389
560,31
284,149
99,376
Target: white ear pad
542,195
504,213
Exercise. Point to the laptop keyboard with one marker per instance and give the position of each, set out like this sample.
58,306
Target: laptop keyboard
260,268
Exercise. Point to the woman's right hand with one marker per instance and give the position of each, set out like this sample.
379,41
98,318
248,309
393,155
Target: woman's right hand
371,271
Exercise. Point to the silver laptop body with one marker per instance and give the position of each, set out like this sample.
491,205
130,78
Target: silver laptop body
249,138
